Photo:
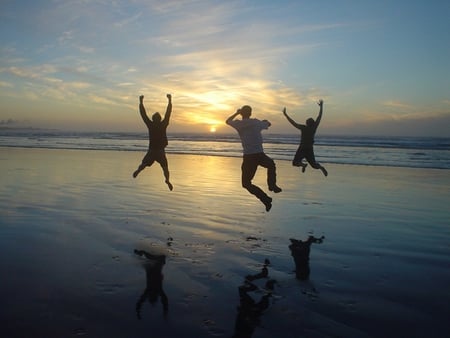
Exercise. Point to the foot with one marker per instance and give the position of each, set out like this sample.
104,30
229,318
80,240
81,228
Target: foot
169,185
135,173
268,203
304,167
276,189
325,172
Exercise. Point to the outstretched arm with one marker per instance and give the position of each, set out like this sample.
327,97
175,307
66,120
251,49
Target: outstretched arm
295,124
169,108
143,112
232,117
320,103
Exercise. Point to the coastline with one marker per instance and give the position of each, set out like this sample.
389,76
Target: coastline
72,219
408,152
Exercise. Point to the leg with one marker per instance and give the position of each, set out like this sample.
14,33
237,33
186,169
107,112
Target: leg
266,162
316,165
165,167
249,166
166,176
138,170
298,159
147,161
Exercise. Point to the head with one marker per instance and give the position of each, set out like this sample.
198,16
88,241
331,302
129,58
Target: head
156,117
310,122
246,111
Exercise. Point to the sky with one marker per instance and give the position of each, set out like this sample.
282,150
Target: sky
381,67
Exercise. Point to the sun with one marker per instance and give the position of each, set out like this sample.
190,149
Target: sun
212,129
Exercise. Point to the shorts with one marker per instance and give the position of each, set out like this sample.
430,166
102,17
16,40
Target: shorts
302,153
155,155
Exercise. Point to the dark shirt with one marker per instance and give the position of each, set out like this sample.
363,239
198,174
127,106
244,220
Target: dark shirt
157,136
307,138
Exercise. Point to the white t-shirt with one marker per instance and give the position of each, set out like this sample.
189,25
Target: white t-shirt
250,133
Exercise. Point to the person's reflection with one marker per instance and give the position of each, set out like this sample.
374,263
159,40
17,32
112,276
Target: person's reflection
300,252
154,288
250,311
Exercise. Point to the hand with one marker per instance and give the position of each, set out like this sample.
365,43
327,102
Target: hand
141,98
320,102
169,96
284,110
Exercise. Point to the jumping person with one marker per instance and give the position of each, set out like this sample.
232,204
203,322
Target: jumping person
157,139
249,130
306,150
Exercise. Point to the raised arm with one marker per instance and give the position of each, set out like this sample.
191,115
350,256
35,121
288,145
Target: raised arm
169,108
232,117
143,112
295,124
320,103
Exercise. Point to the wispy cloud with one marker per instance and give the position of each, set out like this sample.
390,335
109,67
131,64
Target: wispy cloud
6,84
397,105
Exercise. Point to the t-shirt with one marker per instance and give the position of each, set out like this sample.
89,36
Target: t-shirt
250,133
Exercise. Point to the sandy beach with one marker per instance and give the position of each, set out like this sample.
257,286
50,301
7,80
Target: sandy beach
71,221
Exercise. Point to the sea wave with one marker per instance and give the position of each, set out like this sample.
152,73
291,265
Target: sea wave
416,152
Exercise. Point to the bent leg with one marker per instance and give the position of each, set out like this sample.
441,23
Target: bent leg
249,166
147,161
266,162
298,159
316,165
299,156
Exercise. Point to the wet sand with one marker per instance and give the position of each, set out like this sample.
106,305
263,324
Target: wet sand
71,221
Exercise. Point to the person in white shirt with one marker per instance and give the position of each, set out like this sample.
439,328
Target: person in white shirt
249,130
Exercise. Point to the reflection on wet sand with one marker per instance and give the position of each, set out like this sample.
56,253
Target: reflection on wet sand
154,287
300,251
250,311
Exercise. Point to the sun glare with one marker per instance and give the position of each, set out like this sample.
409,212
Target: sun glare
213,129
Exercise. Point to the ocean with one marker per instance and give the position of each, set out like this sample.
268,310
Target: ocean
412,152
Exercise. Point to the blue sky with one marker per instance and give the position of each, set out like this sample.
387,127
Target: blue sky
382,67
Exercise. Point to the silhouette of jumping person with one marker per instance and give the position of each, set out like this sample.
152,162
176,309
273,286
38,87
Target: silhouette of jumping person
305,150
154,288
300,252
250,311
157,139
249,130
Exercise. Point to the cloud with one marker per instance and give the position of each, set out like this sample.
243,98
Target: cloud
397,104
6,84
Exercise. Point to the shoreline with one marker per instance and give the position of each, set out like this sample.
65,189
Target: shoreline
168,153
